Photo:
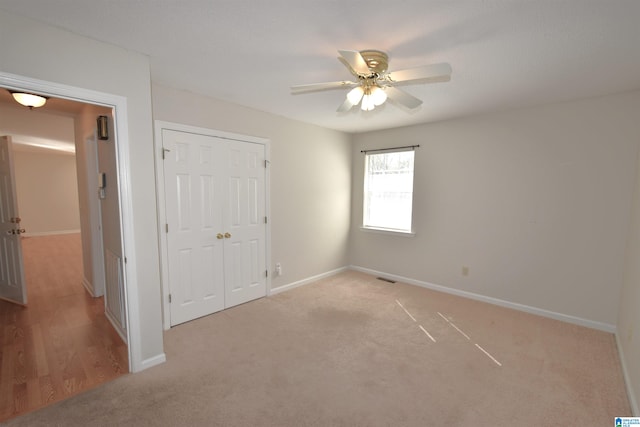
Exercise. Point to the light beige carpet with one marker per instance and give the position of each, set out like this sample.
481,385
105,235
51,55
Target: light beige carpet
346,351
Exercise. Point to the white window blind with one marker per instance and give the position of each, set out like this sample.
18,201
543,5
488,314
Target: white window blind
388,190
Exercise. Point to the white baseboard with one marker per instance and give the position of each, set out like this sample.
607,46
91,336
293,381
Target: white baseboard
306,281
50,233
87,285
150,362
508,304
633,402
114,323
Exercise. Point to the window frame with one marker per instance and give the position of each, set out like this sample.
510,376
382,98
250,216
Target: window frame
385,230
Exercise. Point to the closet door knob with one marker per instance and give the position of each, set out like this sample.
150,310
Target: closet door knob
227,235
220,236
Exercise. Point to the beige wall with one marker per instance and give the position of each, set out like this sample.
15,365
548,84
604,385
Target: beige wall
535,202
47,190
629,317
43,52
46,184
42,126
310,179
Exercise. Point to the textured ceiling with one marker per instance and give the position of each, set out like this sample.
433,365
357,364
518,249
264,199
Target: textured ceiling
504,54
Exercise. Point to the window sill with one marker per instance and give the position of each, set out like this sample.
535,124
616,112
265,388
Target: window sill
388,231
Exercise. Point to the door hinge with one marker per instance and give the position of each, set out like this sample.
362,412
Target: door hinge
166,228
265,219
125,260
164,151
169,298
266,162
266,273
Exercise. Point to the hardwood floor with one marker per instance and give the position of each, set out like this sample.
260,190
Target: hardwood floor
61,343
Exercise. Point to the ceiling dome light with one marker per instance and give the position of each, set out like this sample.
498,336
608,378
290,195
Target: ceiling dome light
355,95
29,100
378,95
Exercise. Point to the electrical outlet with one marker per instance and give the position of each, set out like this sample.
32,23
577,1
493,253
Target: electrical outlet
278,269
465,270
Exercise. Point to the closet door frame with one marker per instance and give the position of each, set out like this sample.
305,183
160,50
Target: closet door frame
159,126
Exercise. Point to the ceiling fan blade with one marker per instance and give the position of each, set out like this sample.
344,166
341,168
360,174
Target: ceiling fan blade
345,106
321,86
402,97
355,61
429,74
346,64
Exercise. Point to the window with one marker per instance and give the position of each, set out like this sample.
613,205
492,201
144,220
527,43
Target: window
388,190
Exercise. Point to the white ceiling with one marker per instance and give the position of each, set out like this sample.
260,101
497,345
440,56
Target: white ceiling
504,53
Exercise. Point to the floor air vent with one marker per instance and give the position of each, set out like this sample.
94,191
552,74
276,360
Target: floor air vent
386,280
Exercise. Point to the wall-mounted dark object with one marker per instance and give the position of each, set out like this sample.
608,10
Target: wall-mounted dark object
103,128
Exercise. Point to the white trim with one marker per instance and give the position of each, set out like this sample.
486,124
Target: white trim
307,281
114,325
119,105
387,231
162,220
153,361
267,212
158,127
88,286
50,233
631,395
495,301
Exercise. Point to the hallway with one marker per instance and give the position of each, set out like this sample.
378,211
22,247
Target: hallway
60,344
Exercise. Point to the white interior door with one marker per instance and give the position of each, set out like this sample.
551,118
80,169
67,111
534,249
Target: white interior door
193,171
215,210
12,285
245,260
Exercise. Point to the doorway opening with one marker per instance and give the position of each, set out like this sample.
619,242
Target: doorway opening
47,362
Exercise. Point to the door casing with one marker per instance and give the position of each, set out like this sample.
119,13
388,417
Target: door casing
119,106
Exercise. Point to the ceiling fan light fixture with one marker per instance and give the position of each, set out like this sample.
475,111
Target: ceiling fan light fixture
367,103
355,95
29,99
378,95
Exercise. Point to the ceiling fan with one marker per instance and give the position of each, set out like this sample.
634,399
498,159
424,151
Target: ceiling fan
374,84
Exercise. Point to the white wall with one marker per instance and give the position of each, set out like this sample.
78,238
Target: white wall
535,202
629,318
90,219
43,52
310,179
47,191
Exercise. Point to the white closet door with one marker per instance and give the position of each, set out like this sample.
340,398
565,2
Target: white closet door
245,256
215,207
194,187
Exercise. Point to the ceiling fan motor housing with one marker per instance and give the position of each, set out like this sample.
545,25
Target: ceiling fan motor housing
376,60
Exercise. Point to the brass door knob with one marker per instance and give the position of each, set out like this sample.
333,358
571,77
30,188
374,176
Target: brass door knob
227,235
220,236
